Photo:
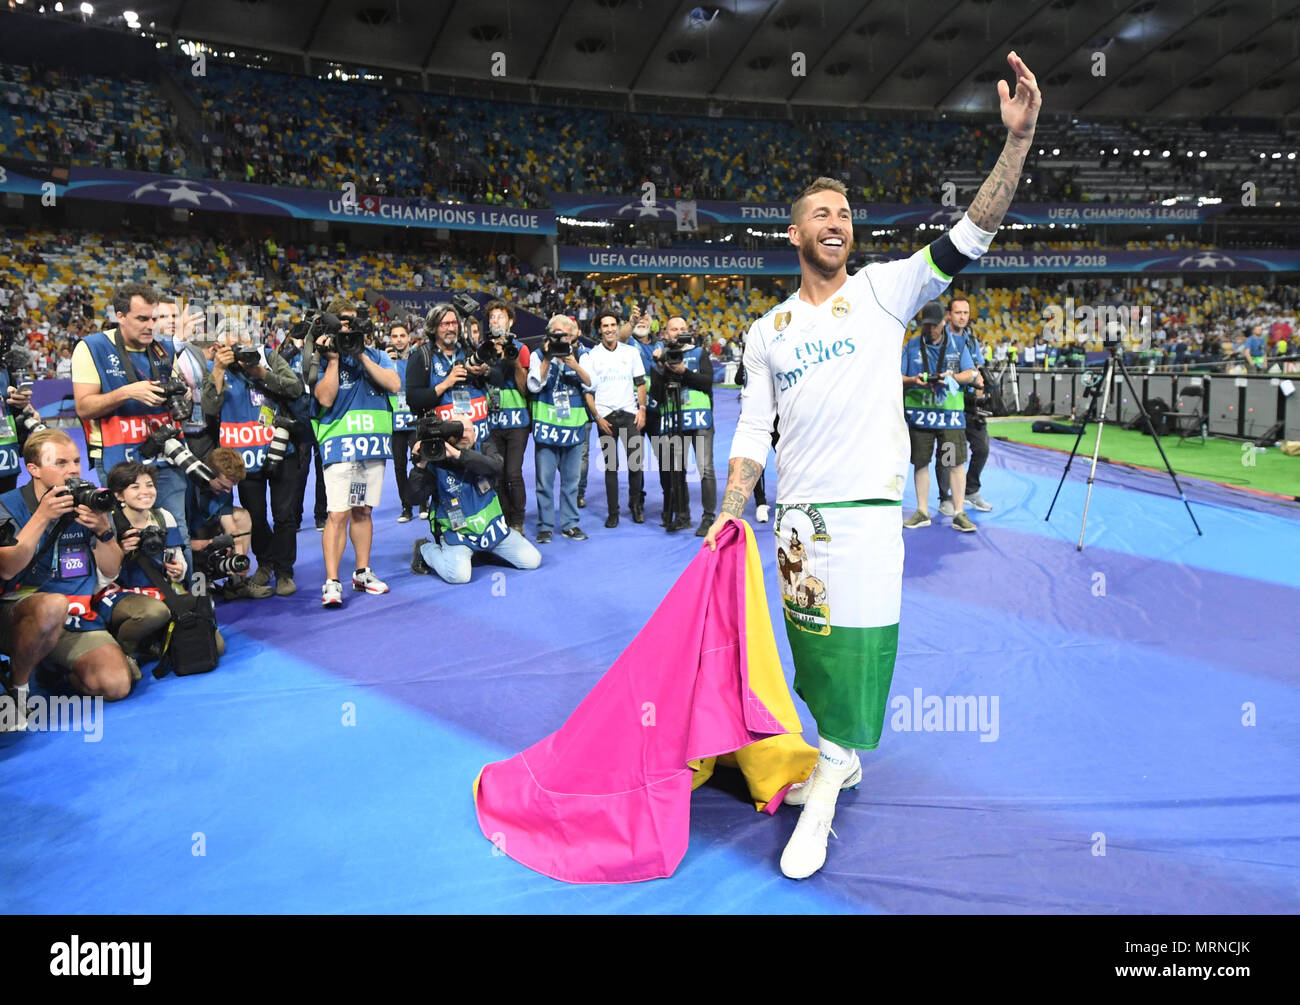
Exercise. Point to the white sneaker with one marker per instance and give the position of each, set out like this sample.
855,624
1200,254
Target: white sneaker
797,794
762,513
363,580
805,852
976,501
945,508
331,594
14,717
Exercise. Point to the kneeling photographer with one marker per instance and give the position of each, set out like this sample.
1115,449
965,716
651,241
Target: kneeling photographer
220,532
466,516
252,394
57,540
134,607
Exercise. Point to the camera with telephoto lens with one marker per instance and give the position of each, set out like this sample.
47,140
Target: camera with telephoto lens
484,354
219,559
176,395
434,434
165,441
88,494
31,420
278,448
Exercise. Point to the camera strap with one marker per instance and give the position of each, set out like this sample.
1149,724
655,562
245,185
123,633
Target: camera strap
129,364
170,597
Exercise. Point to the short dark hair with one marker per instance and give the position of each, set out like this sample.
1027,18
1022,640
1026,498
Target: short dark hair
120,476
499,305
399,324
124,294
601,315
954,299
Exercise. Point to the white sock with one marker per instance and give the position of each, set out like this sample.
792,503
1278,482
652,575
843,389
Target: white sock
20,696
833,754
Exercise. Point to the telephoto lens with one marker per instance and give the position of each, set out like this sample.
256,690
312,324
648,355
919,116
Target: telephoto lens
278,448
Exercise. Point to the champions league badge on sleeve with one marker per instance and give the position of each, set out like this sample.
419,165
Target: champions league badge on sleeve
802,543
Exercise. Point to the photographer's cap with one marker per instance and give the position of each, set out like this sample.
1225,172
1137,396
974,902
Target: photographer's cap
932,313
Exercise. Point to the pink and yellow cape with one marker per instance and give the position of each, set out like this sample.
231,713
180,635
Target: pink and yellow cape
607,797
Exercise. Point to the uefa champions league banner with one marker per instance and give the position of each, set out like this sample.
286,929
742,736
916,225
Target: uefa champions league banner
696,261
604,207
169,191
679,262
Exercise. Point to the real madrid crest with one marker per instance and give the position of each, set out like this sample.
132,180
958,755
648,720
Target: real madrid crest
839,307
782,320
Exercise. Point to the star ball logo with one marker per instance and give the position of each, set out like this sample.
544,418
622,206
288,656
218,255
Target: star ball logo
182,191
1207,260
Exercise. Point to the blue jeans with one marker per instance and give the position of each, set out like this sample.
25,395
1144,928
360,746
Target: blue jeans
452,561
568,461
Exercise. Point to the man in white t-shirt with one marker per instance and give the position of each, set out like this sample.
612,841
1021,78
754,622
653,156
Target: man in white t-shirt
825,360
618,403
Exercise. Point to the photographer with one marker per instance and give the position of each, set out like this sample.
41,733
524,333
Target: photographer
306,451
191,366
354,425
132,606
618,403
123,387
212,515
957,326
934,367
399,346
63,542
683,385
467,515
560,425
642,340
251,394
13,402
507,388
439,378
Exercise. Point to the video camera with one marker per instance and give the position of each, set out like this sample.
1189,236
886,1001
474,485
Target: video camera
166,441
556,346
219,559
434,434
327,328
88,494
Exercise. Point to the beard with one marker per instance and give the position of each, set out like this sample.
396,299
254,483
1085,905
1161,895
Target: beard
820,258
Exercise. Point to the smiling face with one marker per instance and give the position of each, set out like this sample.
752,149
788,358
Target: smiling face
141,494
823,232
609,331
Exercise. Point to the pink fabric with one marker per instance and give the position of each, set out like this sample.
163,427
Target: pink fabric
606,798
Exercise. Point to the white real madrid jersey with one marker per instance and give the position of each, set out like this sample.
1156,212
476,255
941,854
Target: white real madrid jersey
831,372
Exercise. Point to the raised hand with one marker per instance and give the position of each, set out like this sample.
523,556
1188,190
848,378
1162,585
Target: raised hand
1020,111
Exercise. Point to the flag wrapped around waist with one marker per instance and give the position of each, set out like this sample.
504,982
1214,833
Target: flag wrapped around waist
606,798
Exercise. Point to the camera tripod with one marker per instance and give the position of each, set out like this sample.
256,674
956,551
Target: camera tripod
672,455
1113,361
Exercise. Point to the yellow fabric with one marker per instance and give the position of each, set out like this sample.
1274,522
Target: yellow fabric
771,764
84,372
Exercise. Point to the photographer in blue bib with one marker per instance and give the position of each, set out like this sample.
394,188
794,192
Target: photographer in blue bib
682,383
124,389
507,389
957,326
17,418
399,351
306,451
441,378
353,423
251,394
56,541
560,426
934,369
466,517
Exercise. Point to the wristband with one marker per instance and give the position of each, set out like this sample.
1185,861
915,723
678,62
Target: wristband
107,536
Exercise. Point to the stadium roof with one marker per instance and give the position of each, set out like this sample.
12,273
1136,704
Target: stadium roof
1156,58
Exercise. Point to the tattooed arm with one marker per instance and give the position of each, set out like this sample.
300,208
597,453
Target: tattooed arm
1020,116
742,476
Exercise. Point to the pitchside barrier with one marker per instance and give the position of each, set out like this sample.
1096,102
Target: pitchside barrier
1240,405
